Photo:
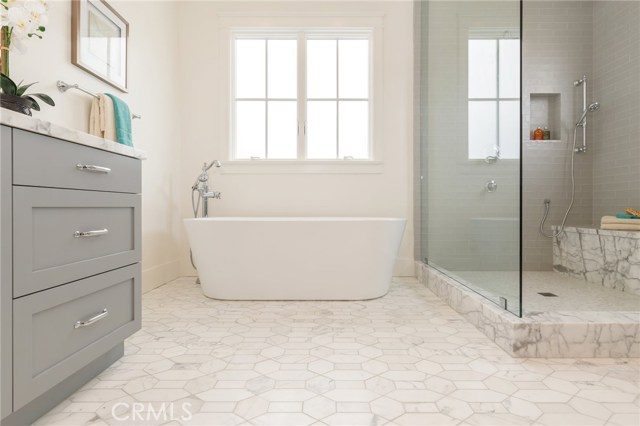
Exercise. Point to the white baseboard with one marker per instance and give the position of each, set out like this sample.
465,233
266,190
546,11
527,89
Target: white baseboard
158,275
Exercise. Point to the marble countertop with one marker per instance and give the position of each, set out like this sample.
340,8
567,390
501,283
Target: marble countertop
31,124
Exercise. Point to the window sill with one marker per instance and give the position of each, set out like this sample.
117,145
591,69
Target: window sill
301,167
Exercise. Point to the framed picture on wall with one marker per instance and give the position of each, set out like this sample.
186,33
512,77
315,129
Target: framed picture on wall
99,38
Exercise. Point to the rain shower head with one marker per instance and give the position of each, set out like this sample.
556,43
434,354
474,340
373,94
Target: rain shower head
591,108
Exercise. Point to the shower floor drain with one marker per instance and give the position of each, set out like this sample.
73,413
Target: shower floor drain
547,294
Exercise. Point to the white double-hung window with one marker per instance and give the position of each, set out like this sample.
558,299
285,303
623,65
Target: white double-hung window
301,94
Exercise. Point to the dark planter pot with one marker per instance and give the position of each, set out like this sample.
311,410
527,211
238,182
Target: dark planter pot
15,103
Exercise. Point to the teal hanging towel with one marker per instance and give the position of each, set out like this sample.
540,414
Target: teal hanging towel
123,120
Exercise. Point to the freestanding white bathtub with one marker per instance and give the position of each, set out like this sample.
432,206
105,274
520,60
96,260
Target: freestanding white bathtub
295,258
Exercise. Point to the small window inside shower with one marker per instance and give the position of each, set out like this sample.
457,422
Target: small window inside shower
494,93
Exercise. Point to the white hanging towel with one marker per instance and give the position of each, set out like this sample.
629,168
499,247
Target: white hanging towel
102,120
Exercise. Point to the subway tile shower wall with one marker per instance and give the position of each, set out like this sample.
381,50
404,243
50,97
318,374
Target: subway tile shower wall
557,49
562,41
615,129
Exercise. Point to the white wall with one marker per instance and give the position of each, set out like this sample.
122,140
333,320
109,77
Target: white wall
152,93
387,193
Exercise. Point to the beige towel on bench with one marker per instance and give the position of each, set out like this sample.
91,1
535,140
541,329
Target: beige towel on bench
609,220
619,227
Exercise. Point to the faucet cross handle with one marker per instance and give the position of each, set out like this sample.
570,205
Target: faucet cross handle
213,194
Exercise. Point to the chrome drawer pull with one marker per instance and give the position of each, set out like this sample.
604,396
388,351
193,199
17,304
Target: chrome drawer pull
92,168
101,315
86,234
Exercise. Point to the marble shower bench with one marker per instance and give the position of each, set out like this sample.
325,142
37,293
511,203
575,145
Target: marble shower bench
608,258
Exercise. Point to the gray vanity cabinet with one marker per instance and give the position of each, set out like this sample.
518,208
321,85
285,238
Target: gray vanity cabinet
52,252
70,267
6,275
51,338
51,162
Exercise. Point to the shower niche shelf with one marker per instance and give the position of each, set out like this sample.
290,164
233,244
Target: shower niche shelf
545,112
531,141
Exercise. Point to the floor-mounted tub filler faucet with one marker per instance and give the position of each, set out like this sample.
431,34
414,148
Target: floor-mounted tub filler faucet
201,187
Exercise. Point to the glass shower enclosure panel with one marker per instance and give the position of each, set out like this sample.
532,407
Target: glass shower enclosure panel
470,144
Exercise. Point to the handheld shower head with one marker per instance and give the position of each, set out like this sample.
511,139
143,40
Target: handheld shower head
591,108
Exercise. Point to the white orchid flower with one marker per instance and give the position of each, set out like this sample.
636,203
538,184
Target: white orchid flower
4,17
17,46
35,6
38,19
10,3
23,18
19,19
42,20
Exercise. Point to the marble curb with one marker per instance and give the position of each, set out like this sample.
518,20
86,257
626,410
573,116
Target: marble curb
569,334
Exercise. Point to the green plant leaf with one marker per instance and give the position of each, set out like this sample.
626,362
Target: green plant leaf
7,85
34,103
45,98
22,89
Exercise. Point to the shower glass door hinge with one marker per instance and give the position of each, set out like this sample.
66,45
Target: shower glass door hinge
503,303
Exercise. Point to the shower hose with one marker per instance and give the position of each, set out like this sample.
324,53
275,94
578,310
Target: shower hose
547,202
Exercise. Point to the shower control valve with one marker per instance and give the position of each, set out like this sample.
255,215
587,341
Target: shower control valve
492,186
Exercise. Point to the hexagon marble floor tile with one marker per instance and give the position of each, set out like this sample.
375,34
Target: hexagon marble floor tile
404,359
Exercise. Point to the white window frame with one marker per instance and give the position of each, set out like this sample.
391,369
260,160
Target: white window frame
261,35
233,25
302,37
497,98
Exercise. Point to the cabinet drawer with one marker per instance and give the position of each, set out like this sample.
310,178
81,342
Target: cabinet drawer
50,162
49,344
46,249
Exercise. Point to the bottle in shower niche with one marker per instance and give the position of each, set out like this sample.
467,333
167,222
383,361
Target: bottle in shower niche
547,134
538,134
